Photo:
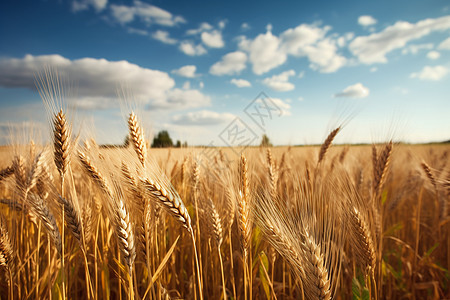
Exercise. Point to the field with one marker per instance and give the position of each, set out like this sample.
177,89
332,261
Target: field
329,222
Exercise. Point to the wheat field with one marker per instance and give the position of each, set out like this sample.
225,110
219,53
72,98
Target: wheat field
79,221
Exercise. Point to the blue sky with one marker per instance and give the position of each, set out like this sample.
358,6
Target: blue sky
198,68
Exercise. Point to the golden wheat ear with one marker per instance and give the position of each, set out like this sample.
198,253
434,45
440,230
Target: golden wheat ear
40,209
327,144
137,137
165,195
6,250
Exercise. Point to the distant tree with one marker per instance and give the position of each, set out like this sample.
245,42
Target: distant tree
162,140
265,142
178,144
184,145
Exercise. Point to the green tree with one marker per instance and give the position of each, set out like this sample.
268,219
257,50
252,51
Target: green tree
162,140
265,142
178,144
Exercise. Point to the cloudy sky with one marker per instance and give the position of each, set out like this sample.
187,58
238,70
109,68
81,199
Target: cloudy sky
225,72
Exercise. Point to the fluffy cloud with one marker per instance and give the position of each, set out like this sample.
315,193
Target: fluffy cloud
373,48
445,45
240,82
354,91
267,51
163,36
431,73
264,52
145,12
367,21
97,81
186,71
190,49
212,39
231,63
203,27
98,5
280,82
203,117
433,55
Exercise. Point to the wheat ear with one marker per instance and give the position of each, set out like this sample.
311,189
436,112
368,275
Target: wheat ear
169,199
92,170
6,251
243,207
382,167
363,241
137,136
326,145
41,210
426,168
124,232
72,218
6,172
61,142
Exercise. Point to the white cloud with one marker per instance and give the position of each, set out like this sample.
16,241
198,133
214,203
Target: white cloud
267,51
414,49
137,31
445,45
98,5
202,118
231,63
373,69
203,27
186,71
163,36
187,85
182,99
241,82
222,24
354,91
96,81
145,12
433,55
283,106
294,40
343,40
245,26
189,48
212,39
201,84
366,21
323,56
373,48
264,52
280,82
431,73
